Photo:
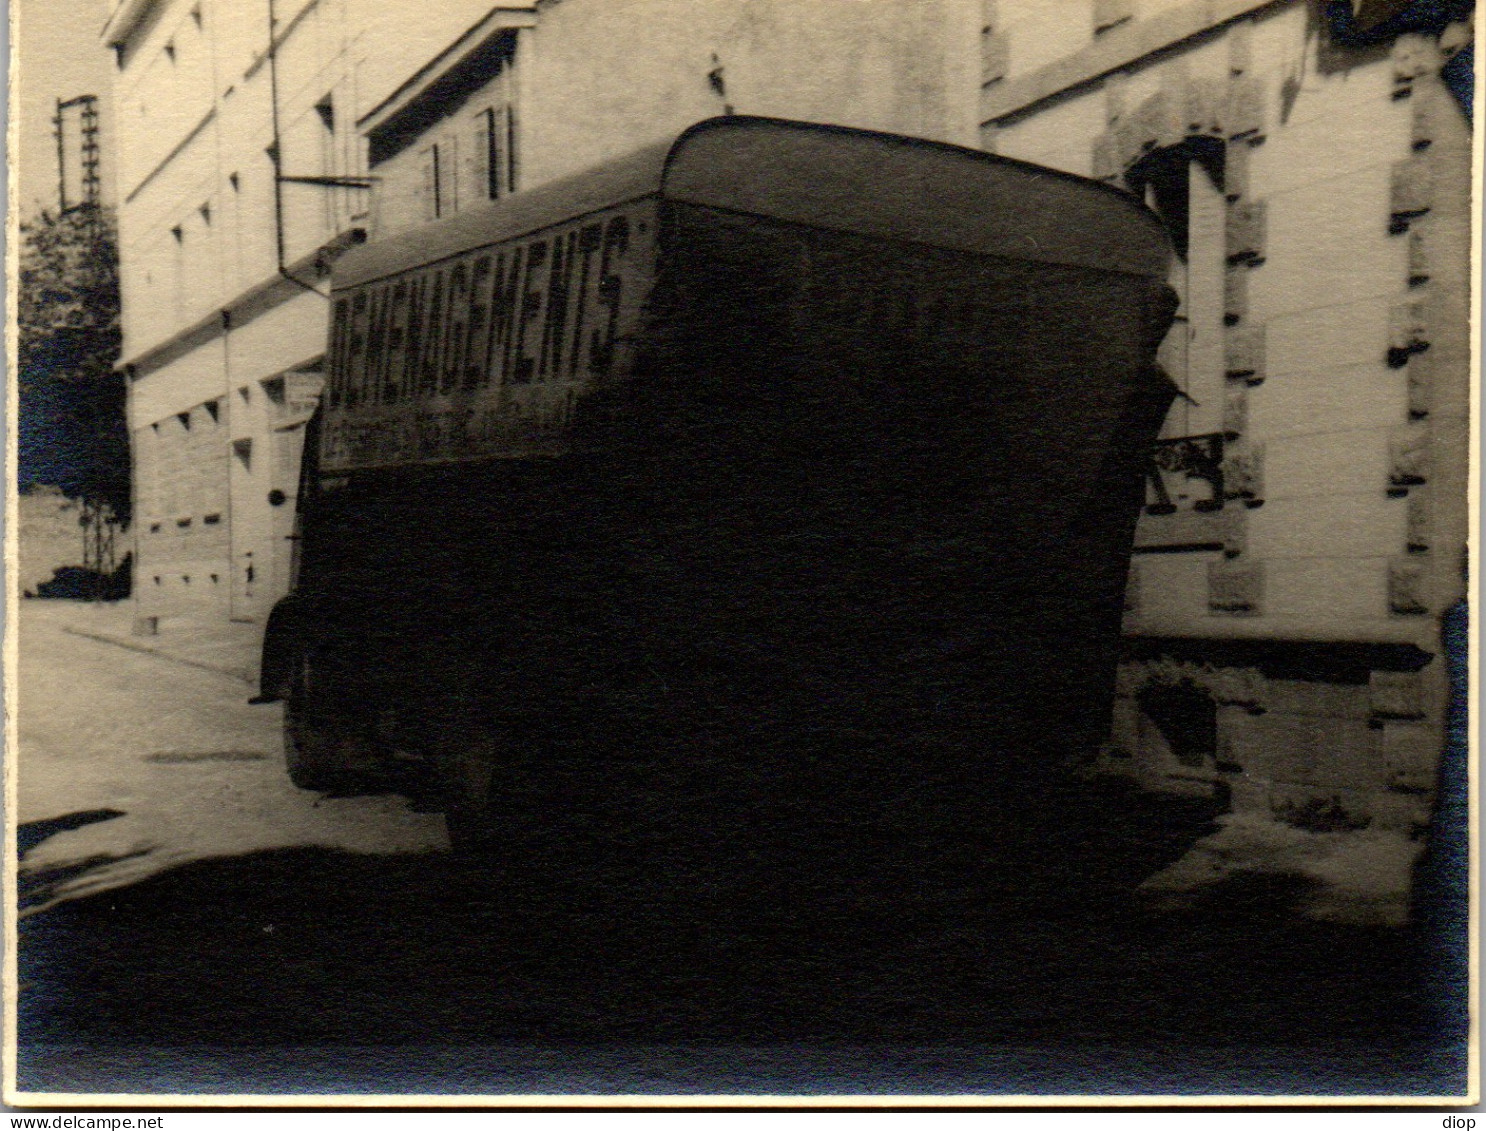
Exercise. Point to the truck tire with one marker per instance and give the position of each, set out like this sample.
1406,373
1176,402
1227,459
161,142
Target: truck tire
319,743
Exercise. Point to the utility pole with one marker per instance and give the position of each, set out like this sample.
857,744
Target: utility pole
79,190
77,170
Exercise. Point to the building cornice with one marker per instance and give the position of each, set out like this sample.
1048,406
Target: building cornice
1113,50
279,38
498,20
257,300
175,151
126,17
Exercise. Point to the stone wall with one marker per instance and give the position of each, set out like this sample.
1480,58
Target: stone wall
48,536
1306,521
182,512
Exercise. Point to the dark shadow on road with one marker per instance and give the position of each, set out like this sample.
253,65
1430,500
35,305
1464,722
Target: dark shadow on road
309,948
37,888
32,833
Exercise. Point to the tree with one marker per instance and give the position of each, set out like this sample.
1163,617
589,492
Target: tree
71,424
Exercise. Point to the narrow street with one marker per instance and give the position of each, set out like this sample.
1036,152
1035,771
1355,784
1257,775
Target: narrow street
191,770
196,923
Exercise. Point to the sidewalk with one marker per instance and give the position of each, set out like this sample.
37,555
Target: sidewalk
216,645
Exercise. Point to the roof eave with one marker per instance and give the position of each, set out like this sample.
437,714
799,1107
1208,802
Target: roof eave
124,20
498,20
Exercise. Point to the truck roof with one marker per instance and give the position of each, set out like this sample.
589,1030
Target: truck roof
828,177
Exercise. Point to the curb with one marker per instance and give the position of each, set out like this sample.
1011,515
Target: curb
204,665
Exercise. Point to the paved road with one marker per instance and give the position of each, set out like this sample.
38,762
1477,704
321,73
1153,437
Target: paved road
192,771
227,932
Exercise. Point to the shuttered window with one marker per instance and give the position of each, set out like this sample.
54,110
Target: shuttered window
430,186
487,156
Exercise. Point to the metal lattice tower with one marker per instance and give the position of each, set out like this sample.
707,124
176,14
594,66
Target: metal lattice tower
99,523
99,526
87,113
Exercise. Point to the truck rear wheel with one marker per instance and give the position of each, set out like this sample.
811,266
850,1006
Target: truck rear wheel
320,746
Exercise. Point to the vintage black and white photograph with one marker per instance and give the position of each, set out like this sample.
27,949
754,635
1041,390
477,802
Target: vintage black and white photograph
788,552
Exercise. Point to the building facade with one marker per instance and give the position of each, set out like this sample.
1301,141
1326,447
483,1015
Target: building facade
257,142
593,81
240,177
1306,521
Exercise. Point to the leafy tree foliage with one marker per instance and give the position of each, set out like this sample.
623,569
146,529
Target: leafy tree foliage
72,427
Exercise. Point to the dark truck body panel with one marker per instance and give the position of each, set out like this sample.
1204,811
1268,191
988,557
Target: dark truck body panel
819,549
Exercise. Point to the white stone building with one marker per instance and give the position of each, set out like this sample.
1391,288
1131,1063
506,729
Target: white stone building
240,175
256,143
1307,530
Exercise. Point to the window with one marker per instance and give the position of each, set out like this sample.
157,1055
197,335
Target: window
512,169
437,182
488,155
448,186
1183,183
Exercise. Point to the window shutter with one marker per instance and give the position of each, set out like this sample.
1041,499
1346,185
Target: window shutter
481,166
509,169
429,190
449,176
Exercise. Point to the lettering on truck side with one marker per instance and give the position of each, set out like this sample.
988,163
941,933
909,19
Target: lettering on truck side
484,355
